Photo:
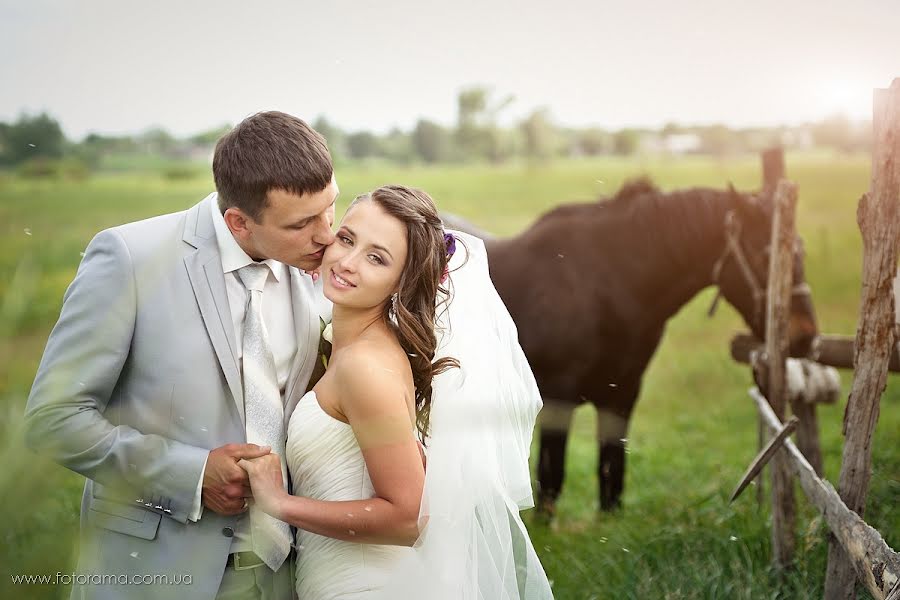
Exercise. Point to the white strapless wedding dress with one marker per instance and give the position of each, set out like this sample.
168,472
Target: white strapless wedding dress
326,463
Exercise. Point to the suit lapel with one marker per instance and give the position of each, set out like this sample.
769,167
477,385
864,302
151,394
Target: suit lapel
204,267
306,326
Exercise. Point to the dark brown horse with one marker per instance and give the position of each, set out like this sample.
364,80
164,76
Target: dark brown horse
591,286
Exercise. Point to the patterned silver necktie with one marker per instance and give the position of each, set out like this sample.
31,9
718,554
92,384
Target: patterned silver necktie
271,538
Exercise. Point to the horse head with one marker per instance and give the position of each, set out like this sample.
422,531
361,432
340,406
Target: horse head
742,271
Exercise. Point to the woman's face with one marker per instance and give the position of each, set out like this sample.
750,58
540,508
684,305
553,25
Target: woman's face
362,268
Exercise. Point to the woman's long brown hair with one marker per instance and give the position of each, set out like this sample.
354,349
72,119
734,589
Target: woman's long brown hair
415,310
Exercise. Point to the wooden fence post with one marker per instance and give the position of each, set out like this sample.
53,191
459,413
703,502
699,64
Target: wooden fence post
876,563
808,433
773,168
773,172
777,341
877,215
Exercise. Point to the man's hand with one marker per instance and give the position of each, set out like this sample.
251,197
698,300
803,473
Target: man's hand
225,484
267,483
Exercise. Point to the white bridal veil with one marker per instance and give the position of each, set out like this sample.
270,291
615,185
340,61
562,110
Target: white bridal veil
473,544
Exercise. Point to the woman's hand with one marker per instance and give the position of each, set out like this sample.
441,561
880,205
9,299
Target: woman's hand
266,482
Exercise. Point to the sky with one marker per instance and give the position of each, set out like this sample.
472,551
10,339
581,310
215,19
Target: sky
117,67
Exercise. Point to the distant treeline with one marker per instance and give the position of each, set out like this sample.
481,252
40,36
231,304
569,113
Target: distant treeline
36,145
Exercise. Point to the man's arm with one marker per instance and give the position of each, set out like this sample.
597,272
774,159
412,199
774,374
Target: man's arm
80,368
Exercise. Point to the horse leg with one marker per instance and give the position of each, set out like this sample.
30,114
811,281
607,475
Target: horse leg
554,419
612,435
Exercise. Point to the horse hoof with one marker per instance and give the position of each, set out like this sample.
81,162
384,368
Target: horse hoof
611,506
546,511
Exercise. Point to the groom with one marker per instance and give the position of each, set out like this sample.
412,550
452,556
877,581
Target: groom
183,345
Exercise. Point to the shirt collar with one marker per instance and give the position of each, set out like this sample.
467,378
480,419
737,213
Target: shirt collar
232,255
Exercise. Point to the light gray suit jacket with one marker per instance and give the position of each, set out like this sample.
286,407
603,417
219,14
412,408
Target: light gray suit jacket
139,380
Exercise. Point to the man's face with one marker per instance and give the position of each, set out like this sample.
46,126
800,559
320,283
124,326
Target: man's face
293,229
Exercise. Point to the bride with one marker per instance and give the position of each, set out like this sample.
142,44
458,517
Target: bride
416,354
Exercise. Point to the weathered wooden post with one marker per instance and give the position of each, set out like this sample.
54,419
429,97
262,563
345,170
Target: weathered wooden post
808,433
878,216
808,427
773,172
876,563
777,341
773,168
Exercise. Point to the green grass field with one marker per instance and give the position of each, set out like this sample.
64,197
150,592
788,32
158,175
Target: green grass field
692,435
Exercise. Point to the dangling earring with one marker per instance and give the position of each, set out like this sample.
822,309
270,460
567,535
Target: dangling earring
392,311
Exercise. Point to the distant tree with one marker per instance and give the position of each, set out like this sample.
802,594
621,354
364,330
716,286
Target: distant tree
594,141
397,146
671,128
4,141
718,140
157,140
501,144
431,142
626,142
210,137
840,133
470,134
538,133
108,143
95,146
477,134
31,137
362,144
337,139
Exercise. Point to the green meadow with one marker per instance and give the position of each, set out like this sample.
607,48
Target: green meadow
692,435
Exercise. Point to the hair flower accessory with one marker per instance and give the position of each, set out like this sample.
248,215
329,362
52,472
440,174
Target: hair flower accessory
450,245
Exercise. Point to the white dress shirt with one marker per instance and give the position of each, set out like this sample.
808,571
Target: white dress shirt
278,319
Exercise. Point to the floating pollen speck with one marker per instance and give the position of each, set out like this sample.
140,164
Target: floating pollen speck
27,231
626,550
32,146
733,539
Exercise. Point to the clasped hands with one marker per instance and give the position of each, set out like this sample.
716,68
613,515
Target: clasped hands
227,485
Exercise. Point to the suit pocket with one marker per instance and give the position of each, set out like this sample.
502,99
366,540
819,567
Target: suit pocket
123,518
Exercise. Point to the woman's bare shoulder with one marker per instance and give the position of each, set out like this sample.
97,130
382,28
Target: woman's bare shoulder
372,376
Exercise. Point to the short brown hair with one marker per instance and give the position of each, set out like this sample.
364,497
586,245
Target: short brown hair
269,150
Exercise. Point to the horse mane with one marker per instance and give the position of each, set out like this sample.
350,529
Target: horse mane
677,220
631,190
634,188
